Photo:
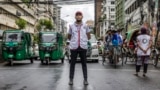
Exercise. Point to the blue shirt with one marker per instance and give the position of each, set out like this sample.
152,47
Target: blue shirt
116,39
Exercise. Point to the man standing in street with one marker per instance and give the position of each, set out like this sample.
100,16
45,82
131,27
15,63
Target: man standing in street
79,34
144,42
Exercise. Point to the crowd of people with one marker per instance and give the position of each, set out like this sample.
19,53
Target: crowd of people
141,44
79,34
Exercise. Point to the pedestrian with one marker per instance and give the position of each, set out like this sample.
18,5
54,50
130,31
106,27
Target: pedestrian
144,43
120,37
79,34
108,38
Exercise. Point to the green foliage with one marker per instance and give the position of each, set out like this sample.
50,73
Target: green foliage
21,23
35,38
26,2
45,22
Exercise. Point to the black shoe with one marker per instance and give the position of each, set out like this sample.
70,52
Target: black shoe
144,75
136,74
71,82
85,82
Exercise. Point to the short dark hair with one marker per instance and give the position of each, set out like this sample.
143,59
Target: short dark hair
143,30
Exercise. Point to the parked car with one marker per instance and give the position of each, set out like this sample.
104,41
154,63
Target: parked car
94,49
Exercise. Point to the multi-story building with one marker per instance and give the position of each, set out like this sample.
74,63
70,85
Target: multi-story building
98,6
136,13
56,16
64,26
139,11
90,24
46,11
120,15
8,16
53,13
108,16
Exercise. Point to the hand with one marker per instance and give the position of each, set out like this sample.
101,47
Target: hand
145,51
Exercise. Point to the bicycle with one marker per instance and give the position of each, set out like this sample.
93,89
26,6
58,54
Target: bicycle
131,54
117,55
154,56
113,53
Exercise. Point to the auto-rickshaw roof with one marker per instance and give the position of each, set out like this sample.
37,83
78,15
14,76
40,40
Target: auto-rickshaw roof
47,32
130,33
13,31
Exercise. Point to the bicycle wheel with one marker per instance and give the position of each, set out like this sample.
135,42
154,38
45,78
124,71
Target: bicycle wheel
155,61
115,57
103,58
154,57
122,55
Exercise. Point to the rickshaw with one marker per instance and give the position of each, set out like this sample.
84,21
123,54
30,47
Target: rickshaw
16,46
51,47
155,49
113,52
131,45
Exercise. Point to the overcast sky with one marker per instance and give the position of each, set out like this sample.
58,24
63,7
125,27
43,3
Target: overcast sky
68,12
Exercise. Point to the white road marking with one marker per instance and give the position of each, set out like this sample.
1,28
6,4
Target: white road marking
52,68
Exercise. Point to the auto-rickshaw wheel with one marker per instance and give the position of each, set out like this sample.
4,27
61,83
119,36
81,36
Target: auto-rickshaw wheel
47,61
11,62
31,60
62,60
42,62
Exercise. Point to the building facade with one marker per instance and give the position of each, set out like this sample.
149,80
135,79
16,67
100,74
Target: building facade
64,26
108,16
90,24
8,16
98,7
120,15
136,12
57,17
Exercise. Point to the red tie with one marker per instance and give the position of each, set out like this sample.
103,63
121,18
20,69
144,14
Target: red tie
79,35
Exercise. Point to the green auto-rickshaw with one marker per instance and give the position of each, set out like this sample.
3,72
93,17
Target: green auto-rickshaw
16,46
51,47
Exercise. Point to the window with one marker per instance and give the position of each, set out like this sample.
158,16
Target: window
112,2
112,23
112,16
112,9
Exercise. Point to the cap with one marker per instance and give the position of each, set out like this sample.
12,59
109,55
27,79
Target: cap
78,13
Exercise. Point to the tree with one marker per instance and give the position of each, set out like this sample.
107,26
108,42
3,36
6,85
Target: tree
26,2
35,38
21,23
45,22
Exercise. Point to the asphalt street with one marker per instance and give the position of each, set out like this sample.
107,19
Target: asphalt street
26,76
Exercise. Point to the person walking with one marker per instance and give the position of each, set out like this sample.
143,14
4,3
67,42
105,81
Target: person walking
79,34
108,45
144,43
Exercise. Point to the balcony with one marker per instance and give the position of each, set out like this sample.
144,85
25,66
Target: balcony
24,7
7,21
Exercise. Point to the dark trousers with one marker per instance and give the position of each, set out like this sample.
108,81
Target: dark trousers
82,54
145,67
143,60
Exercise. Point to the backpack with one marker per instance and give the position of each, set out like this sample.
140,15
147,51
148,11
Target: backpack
115,40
